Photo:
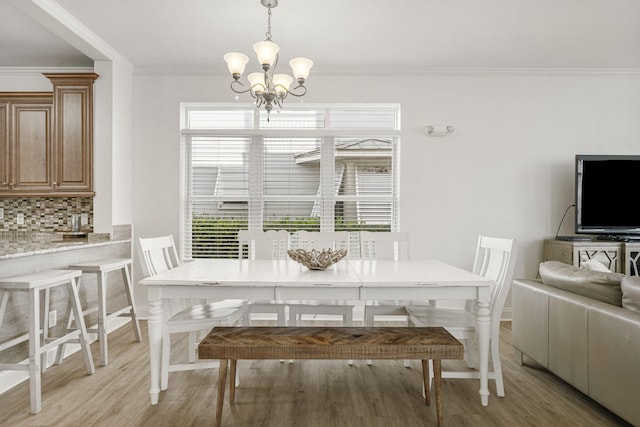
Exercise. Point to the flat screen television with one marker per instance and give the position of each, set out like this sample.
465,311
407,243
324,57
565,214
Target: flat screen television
607,195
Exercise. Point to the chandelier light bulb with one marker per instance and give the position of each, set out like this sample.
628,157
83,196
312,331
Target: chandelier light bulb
281,83
301,68
256,82
266,51
236,62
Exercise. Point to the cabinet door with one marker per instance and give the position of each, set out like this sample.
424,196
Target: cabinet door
73,140
4,146
32,149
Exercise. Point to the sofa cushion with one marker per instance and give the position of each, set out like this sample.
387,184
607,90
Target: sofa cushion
630,287
601,286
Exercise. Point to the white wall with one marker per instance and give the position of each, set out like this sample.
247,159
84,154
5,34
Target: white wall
507,170
24,80
113,147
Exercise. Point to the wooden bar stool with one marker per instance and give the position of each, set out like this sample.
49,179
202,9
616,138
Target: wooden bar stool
33,284
101,268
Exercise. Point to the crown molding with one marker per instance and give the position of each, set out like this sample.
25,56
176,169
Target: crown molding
42,70
433,71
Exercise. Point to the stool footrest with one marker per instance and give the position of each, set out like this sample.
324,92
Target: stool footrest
13,367
17,340
55,342
125,311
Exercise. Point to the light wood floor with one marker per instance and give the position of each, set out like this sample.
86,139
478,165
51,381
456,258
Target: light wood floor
305,393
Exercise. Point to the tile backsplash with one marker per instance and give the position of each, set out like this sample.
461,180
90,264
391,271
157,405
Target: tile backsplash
45,214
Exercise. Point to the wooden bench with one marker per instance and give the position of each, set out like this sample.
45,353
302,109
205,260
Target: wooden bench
249,343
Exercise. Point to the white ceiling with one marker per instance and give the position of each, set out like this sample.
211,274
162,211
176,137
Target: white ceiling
363,36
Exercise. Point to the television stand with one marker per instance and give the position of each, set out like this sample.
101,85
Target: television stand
618,256
618,238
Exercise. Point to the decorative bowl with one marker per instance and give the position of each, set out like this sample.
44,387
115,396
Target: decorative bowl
317,260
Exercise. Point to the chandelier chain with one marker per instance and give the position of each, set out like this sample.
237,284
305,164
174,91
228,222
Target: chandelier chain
268,34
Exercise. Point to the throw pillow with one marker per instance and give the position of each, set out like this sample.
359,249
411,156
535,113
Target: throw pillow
631,293
592,264
598,285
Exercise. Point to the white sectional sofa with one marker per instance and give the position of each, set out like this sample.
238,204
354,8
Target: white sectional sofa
592,344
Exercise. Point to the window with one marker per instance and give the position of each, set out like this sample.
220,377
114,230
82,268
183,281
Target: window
327,168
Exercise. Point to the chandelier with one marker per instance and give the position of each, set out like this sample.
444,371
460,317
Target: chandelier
267,87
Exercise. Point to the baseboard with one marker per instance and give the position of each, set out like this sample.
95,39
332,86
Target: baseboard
10,379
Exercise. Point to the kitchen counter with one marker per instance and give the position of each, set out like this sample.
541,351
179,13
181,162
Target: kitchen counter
16,245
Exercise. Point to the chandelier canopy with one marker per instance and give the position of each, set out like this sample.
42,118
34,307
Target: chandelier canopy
267,87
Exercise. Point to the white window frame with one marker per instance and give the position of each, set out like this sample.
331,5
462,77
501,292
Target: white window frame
256,198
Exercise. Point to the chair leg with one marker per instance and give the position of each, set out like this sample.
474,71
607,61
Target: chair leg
471,353
34,351
519,356
497,367
126,277
84,339
102,315
193,338
347,320
45,327
62,347
369,320
164,363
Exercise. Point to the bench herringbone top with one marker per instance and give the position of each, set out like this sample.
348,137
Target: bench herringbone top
329,343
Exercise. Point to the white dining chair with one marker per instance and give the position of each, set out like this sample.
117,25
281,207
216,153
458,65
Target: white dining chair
495,258
270,244
322,240
382,245
159,254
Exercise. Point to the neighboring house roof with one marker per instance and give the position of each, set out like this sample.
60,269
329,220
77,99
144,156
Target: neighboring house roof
355,148
369,175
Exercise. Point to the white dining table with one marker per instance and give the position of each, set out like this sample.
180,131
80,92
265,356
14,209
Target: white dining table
287,280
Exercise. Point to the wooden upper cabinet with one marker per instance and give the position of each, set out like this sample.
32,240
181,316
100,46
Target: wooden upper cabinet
46,139
32,148
4,146
73,132
26,143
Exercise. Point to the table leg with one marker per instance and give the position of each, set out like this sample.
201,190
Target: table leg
155,342
222,379
483,323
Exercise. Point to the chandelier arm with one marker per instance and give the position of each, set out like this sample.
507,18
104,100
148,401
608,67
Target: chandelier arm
299,94
238,83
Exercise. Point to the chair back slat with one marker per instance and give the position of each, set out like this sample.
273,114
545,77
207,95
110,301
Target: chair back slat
495,259
158,254
382,245
270,244
323,239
